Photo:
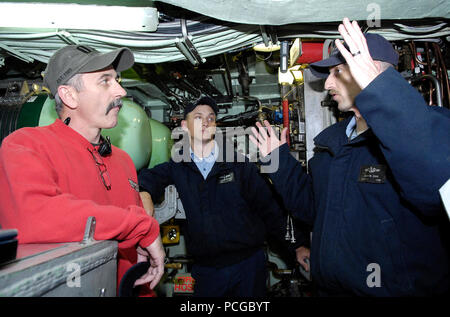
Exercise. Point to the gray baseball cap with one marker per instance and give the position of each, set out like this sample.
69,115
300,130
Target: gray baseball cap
76,59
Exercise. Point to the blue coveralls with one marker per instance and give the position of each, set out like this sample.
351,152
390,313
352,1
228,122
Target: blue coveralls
229,215
373,201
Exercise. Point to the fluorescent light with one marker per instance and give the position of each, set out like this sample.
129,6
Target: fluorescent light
76,16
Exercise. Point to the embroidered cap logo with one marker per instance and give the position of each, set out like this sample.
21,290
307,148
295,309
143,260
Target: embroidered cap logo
104,175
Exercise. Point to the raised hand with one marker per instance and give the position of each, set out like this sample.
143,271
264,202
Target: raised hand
267,142
361,64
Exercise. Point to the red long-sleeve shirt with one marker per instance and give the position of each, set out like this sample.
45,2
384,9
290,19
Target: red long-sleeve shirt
50,185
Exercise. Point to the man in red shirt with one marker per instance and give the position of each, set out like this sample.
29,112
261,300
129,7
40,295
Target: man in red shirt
53,178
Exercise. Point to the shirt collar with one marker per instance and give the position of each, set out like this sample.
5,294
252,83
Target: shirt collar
210,158
350,131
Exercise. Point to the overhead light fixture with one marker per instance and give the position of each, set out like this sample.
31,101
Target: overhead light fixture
76,16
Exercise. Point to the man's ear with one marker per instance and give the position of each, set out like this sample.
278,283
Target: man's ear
68,96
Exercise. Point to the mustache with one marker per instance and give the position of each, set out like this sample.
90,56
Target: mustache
115,103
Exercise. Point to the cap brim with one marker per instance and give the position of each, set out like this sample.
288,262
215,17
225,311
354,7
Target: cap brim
126,287
205,100
321,68
121,59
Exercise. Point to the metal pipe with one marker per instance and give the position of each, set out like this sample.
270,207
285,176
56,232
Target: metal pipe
436,84
228,76
429,71
444,72
439,74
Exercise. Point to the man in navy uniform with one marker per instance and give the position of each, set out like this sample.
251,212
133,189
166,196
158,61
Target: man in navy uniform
372,191
230,209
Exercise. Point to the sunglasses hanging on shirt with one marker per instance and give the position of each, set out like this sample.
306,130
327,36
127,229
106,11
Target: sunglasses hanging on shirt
104,175
104,149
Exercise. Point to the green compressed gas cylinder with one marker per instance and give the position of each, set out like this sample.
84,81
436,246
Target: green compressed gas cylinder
131,134
161,143
48,113
31,110
15,115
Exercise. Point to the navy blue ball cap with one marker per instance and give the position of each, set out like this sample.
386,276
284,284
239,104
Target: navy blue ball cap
205,100
126,286
379,48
